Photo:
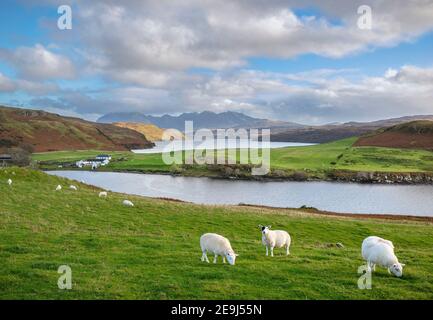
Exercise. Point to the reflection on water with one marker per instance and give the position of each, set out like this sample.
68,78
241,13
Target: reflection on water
330,196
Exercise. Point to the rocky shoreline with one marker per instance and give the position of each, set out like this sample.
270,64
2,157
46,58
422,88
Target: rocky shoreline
243,172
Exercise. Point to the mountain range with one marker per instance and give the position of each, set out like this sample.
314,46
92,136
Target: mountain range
280,130
205,119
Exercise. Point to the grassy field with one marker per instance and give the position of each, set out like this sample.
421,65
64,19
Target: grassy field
152,251
317,160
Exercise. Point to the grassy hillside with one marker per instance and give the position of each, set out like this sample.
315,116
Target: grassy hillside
50,132
411,135
150,131
152,251
317,160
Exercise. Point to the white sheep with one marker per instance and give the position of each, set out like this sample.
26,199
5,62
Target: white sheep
72,187
9,181
275,239
379,251
103,194
219,246
127,203
59,187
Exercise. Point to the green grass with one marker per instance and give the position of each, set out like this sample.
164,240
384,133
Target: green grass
152,251
316,160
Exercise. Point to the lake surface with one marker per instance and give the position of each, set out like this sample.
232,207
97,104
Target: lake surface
218,144
330,196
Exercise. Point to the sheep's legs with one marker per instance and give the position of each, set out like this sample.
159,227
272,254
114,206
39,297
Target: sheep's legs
215,259
287,250
224,259
204,257
369,264
267,253
272,251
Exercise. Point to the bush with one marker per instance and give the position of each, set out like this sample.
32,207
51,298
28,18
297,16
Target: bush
20,156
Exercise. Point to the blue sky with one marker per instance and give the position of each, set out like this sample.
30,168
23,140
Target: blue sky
282,60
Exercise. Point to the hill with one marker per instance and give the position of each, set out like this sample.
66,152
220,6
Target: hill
150,131
411,135
333,132
45,131
206,119
152,251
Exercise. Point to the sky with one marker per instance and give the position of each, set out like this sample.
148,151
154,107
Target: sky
305,61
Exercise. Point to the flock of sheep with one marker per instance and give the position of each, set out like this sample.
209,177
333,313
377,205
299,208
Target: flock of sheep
374,250
102,194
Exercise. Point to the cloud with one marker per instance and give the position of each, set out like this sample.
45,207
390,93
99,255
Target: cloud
135,38
38,63
6,84
145,52
321,96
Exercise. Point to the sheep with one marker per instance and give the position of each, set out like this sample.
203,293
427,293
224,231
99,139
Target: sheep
59,187
72,187
103,194
275,238
127,203
379,251
219,246
10,182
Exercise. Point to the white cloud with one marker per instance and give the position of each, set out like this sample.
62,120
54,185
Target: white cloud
6,84
38,63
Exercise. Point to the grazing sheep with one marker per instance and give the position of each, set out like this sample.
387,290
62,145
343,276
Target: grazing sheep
9,181
275,239
103,194
379,251
72,187
59,187
219,246
127,203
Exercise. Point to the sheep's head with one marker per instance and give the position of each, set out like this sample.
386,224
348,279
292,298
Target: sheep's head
264,229
231,257
397,269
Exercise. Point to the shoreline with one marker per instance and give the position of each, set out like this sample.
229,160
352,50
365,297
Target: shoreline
359,177
310,210
314,211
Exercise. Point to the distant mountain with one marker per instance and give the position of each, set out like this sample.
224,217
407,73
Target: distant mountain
332,132
45,131
206,119
409,135
389,122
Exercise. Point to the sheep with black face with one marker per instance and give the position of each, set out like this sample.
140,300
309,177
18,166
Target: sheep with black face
275,239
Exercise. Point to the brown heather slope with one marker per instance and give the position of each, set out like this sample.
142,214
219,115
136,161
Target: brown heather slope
410,135
150,131
51,132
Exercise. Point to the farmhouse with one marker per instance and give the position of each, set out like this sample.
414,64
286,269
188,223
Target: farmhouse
103,157
5,159
100,160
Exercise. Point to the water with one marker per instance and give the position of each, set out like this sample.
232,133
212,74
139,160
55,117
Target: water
329,196
178,145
